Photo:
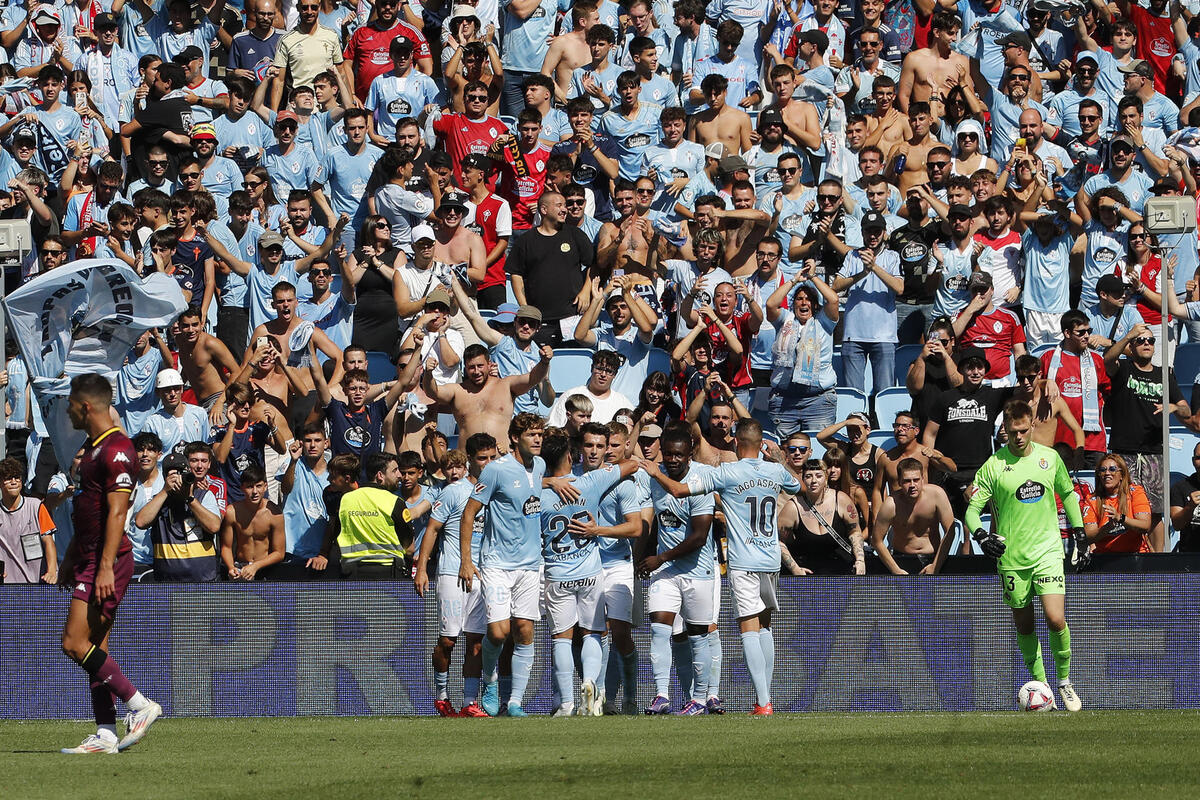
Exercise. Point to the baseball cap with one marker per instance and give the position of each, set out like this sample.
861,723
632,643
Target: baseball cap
168,378
1087,55
1137,67
979,282
1124,139
440,158
967,355
269,239
815,37
477,161
46,14
529,312
650,431
204,130
732,164
1017,38
422,232
505,314
438,295
873,220
453,200
860,416
715,150
188,54
104,21
770,116
960,210
1110,285
284,116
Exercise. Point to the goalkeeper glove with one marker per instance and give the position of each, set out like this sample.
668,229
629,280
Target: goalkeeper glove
1080,557
991,544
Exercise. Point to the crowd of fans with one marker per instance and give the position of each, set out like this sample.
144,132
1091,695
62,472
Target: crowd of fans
763,197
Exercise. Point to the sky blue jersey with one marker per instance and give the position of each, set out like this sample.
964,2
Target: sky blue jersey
631,495
749,489
512,533
568,557
675,517
448,511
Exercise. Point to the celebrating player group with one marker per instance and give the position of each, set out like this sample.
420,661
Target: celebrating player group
561,528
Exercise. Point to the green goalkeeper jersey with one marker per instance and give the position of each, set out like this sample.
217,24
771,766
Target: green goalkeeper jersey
1021,490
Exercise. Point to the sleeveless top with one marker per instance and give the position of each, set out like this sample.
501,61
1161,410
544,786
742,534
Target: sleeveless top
817,550
978,166
864,474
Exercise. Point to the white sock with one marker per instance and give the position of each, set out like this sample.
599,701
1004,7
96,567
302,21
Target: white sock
107,732
442,681
137,702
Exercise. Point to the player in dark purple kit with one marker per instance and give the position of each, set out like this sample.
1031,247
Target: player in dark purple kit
99,564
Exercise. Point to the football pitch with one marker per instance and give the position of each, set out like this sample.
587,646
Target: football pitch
1010,755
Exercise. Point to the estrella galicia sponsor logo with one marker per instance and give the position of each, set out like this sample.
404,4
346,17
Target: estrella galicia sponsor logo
669,520
358,436
1030,492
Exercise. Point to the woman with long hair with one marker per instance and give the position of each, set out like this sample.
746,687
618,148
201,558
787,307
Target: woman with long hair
79,97
656,403
820,526
372,269
1116,518
1142,267
840,466
267,208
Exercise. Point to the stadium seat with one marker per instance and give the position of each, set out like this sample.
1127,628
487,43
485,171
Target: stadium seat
1187,365
570,367
882,439
487,314
888,404
1183,443
658,360
1087,476
848,401
906,354
818,449
449,426
509,297
380,368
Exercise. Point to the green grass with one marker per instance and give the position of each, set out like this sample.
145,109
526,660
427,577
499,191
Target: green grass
1011,755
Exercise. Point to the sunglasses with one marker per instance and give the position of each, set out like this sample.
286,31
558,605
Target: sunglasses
1145,340
968,136
576,202
254,184
1086,71
1019,76
481,98
644,191
532,323
319,272
152,162
1089,117
829,198
189,175
1108,469
1133,236
54,252
796,448
937,164
788,170
382,226
1027,378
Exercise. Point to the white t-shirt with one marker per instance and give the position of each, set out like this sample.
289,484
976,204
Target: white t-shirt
428,348
603,408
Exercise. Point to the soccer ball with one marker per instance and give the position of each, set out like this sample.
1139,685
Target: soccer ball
1035,696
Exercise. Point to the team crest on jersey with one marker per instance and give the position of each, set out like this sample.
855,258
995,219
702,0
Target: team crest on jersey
479,487
1043,463
565,247
997,327
491,132
487,215
124,481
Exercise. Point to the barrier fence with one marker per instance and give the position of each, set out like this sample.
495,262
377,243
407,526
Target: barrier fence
842,644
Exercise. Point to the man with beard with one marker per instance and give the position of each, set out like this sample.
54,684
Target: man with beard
627,243
510,334
802,123
763,157
914,242
787,206
374,527
471,132
346,170
85,220
744,227
831,233
1013,98
521,163
219,175
855,83
548,267
1067,106
368,53
887,479
1088,147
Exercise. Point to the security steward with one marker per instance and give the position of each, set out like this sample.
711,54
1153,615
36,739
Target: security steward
375,526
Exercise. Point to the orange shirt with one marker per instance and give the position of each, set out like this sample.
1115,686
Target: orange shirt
1099,510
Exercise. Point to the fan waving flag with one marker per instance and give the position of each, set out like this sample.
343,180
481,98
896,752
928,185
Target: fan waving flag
83,317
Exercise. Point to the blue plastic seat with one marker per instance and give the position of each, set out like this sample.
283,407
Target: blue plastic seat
888,404
1187,366
906,354
848,401
570,367
380,368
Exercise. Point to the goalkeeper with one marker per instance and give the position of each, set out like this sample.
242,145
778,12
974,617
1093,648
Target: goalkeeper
1020,480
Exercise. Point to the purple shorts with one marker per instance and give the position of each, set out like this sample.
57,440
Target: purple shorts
83,583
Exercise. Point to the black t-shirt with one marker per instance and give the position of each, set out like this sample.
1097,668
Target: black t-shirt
1189,536
825,255
967,421
936,382
553,269
157,118
1134,427
915,245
